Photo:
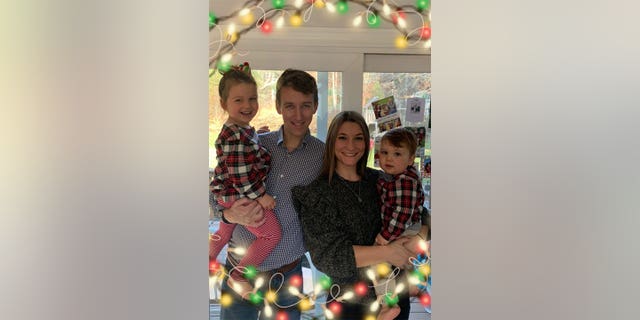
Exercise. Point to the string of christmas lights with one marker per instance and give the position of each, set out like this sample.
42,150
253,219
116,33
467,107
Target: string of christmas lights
300,11
419,277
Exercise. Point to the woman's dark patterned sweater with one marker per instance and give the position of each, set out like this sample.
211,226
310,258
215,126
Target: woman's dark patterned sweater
335,216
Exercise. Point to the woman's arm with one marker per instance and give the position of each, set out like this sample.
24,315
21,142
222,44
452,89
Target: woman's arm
395,253
416,243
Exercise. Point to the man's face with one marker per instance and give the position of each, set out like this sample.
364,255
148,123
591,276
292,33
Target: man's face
297,110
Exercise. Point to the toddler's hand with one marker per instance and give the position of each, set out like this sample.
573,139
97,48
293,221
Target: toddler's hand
381,241
267,202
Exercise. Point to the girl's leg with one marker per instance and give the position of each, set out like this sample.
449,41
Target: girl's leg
267,237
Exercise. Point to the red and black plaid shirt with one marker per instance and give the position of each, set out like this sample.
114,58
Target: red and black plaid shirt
402,200
242,164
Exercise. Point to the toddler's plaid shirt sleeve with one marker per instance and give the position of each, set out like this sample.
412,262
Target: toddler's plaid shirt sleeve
242,164
402,199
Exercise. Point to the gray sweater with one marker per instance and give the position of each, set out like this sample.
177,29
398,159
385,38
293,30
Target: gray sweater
335,216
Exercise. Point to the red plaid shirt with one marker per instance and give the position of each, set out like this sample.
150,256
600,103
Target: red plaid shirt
242,164
402,200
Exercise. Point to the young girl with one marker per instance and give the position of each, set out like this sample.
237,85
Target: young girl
401,195
242,168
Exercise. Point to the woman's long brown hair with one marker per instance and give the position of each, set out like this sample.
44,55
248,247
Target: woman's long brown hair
329,159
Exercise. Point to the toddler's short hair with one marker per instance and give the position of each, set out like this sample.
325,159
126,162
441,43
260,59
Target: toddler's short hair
401,137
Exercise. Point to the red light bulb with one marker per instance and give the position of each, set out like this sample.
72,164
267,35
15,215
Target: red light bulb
425,32
295,281
425,299
266,27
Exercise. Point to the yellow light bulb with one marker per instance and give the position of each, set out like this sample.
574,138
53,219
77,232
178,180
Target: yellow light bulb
370,317
319,4
305,305
295,20
226,300
425,269
383,269
232,37
271,296
401,42
247,19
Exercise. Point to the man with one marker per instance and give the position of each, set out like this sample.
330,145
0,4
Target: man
296,158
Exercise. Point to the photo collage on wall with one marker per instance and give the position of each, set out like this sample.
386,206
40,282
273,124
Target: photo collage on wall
388,117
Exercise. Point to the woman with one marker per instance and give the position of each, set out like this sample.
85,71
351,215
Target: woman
340,216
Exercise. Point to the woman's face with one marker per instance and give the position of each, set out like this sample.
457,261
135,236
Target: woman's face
350,145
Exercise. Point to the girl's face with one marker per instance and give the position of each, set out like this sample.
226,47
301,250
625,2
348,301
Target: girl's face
242,103
349,146
394,160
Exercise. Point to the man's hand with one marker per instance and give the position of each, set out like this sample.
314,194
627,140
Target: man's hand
245,212
263,129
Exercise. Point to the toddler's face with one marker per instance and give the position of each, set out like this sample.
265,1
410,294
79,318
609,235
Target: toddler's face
394,160
242,103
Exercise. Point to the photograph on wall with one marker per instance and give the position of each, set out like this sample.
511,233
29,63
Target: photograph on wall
421,135
415,109
376,149
384,107
388,123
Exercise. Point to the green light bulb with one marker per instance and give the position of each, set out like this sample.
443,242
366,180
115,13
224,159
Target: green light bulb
325,282
255,298
278,4
250,272
223,66
212,19
391,300
373,20
422,4
342,7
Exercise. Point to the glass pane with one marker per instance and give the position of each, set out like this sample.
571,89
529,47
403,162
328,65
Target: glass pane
401,86
330,102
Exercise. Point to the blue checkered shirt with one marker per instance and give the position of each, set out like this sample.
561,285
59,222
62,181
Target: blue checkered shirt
288,169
